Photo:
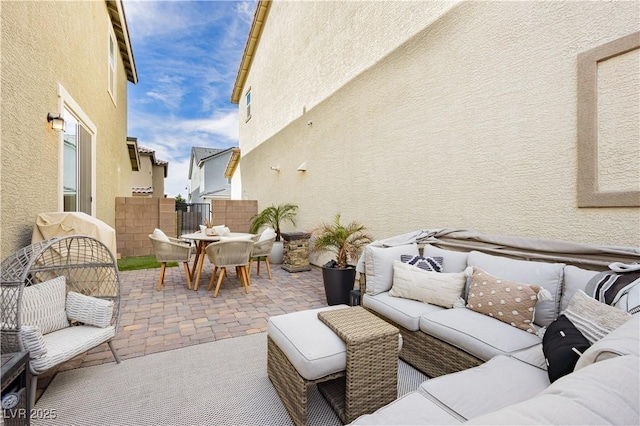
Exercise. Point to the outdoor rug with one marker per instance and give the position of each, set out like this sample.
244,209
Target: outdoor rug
219,383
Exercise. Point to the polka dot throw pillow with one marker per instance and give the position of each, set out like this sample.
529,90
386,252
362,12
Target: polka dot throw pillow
504,300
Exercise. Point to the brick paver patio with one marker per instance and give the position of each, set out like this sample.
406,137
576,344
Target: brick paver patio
154,321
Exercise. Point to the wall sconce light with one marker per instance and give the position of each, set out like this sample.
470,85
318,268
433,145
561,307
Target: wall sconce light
302,167
276,168
57,122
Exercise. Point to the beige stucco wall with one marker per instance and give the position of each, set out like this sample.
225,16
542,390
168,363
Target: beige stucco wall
317,47
44,45
144,176
469,124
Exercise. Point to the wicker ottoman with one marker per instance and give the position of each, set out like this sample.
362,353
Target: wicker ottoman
351,355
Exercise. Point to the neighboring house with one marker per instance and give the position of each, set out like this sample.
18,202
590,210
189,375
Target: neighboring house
500,117
73,60
210,172
148,180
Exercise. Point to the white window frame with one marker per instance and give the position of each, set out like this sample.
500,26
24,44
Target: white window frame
247,101
66,101
112,60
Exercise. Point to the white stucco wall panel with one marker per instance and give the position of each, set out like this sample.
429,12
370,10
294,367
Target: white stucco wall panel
319,47
470,124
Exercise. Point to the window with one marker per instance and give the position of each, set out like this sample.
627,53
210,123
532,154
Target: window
248,101
111,84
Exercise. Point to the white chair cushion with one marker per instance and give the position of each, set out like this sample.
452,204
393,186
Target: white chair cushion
452,261
160,235
477,334
379,265
547,275
574,279
267,234
412,409
89,310
64,344
499,382
404,312
43,305
311,347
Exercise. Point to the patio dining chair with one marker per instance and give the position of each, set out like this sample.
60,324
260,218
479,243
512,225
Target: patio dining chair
229,253
261,250
168,249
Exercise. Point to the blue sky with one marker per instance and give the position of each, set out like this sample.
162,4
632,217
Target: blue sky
187,55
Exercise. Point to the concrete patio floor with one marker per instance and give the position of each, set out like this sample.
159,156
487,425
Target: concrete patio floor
155,321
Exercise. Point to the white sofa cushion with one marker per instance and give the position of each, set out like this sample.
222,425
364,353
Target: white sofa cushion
574,279
411,409
311,347
438,288
404,312
547,275
606,392
476,334
69,342
33,341
379,265
499,382
452,261
624,340
43,305
532,356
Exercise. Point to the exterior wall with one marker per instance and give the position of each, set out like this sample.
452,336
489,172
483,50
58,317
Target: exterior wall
144,176
137,217
45,45
319,47
158,181
236,214
213,169
470,123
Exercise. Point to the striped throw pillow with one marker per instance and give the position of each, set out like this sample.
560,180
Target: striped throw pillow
43,305
594,319
433,264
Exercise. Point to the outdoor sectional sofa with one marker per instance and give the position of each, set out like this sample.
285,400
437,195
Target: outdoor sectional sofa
488,371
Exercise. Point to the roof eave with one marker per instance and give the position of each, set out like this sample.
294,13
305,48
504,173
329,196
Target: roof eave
121,30
259,18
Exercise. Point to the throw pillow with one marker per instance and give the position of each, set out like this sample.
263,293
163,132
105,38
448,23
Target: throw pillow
267,234
594,319
433,264
437,288
33,341
89,310
508,301
563,345
43,305
160,235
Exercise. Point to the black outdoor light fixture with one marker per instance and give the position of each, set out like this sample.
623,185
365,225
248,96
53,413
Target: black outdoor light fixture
57,122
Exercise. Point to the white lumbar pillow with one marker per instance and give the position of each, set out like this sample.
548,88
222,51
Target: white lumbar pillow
159,235
437,288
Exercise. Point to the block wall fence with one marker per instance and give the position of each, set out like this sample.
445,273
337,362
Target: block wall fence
137,217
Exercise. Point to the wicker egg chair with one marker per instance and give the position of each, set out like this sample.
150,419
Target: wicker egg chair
88,295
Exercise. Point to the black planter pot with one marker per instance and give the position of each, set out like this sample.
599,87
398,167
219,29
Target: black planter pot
338,283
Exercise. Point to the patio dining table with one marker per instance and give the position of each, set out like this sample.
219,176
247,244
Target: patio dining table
202,240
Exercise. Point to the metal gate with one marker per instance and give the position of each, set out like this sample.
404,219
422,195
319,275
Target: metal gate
191,216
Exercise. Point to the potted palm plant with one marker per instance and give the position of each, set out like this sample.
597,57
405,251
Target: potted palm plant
274,216
346,242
